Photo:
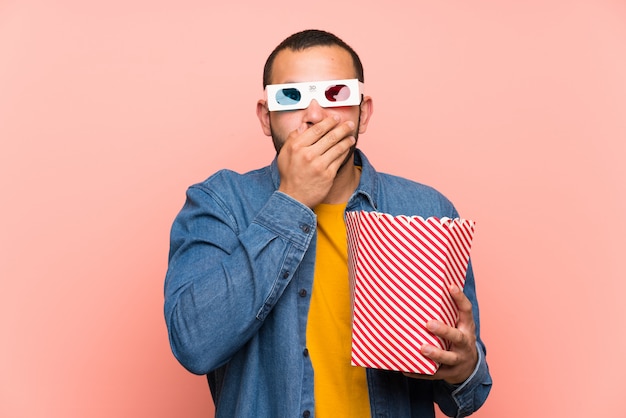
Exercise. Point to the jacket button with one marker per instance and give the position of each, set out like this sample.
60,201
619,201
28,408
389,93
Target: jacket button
286,275
305,228
306,414
305,352
302,292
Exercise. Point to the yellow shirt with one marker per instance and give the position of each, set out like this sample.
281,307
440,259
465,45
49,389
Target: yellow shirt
340,388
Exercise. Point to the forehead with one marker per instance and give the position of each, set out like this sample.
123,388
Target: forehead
312,64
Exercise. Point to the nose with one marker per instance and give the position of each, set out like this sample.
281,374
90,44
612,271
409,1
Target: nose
314,113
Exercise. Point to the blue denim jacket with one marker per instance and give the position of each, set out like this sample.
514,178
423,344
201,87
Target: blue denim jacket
237,295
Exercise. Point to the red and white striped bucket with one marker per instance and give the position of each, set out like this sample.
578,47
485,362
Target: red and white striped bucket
400,270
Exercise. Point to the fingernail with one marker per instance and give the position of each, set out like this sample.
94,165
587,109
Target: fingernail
426,349
351,124
432,326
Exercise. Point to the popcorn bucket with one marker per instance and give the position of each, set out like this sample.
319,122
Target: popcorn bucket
400,270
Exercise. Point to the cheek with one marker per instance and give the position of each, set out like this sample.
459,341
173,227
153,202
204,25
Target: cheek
345,113
285,122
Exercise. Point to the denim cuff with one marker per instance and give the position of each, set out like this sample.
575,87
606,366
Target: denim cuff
289,219
472,393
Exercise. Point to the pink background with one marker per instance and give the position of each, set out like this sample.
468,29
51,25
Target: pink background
108,110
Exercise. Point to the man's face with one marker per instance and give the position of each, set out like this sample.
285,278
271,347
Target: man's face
312,64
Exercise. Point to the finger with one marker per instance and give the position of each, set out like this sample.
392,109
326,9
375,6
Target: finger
451,334
303,127
466,316
440,356
336,137
315,132
462,302
338,153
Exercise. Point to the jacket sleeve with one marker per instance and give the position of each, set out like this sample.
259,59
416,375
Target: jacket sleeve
464,399
224,277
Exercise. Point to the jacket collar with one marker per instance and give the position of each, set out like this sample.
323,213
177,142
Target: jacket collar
368,185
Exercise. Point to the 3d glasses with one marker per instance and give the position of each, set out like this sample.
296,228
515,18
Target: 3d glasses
328,93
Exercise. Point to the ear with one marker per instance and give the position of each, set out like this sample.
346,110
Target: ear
264,116
366,109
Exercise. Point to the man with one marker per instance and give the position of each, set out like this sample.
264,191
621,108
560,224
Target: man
257,293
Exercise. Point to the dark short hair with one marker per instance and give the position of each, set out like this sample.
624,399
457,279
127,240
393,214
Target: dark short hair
308,39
